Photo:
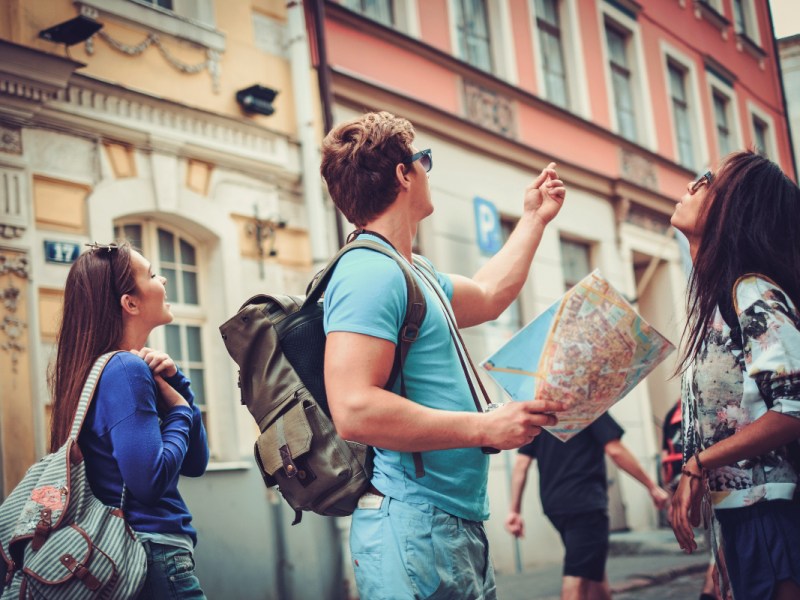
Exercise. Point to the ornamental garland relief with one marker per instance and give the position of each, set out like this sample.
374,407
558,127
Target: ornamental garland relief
12,265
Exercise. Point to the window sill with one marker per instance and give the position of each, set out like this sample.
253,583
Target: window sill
160,20
228,465
747,44
707,12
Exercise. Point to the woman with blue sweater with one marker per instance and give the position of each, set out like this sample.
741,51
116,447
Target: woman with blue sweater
143,429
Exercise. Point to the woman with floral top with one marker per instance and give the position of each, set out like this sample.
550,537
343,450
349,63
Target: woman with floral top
741,372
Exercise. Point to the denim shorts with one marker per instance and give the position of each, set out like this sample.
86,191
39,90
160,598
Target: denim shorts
403,550
170,574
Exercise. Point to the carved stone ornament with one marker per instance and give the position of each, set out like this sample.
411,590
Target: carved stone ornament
11,326
639,170
489,109
10,139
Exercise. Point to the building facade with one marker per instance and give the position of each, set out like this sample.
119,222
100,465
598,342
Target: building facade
632,99
789,49
151,129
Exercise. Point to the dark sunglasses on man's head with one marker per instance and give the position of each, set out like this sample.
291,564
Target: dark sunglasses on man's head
705,179
425,158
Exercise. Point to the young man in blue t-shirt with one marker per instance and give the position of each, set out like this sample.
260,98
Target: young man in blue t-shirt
418,532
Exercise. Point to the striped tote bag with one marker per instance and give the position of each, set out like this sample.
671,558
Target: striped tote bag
59,542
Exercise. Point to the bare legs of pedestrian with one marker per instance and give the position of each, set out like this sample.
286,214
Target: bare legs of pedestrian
580,588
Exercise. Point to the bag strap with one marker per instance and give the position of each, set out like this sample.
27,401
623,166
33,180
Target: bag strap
88,393
412,321
464,358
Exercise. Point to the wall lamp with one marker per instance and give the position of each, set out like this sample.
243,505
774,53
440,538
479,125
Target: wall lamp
71,32
257,99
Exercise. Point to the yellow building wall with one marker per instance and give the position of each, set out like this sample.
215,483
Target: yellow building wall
16,407
242,64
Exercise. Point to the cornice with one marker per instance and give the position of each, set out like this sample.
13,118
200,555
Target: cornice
360,94
103,110
29,78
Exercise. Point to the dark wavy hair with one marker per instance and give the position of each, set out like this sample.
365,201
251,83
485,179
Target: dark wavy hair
91,325
359,158
751,224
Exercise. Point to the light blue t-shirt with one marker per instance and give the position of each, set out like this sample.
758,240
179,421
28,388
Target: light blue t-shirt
367,295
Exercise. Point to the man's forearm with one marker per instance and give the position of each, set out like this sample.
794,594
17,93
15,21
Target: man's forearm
626,461
505,273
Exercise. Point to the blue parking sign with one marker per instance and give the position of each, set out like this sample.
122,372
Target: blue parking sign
487,226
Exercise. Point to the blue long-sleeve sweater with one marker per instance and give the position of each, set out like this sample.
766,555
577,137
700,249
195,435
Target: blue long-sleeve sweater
122,440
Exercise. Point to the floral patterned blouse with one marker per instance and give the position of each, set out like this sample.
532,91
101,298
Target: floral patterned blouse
734,380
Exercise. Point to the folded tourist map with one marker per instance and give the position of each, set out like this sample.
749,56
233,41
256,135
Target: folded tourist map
587,351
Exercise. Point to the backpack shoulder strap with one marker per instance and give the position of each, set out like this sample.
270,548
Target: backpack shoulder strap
415,299
88,393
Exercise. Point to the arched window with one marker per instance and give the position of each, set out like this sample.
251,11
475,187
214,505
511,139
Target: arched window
176,256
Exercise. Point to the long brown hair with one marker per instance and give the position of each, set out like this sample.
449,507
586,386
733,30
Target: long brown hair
750,221
91,325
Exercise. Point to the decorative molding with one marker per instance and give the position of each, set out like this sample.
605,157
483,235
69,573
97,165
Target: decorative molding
142,120
13,203
29,78
12,264
10,139
211,63
646,219
706,11
638,169
489,109
158,19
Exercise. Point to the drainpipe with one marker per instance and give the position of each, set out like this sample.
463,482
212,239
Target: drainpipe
317,12
309,157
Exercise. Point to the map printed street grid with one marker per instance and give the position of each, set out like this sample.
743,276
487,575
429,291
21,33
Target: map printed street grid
587,351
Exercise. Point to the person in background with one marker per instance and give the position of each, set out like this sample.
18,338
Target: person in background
142,429
671,464
574,493
741,372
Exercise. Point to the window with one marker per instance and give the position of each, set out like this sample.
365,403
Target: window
176,258
167,4
576,262
550,45
724,136
381,11
472,31
740,17
511,317
621,81
760,129
680,114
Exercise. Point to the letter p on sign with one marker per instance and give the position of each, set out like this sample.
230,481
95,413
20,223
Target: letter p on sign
487,226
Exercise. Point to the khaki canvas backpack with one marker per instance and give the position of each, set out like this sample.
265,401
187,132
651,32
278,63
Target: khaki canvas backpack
278,342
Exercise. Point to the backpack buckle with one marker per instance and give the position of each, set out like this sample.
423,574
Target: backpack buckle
409,333
42,531
289,466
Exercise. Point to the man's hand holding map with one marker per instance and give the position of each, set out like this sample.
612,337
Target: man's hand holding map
588,350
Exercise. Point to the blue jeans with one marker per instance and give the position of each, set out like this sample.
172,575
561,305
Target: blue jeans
404,550
170,574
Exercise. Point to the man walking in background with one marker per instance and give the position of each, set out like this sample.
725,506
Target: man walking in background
574,495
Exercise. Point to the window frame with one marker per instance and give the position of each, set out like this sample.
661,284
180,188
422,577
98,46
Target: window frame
611,16
590,255
501,39
185,315
755,112
719,87
700,147
750,29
